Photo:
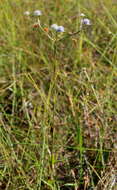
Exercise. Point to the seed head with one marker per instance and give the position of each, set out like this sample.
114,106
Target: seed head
46,29
27,13
82,15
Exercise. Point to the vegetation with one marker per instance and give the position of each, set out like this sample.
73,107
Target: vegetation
58,95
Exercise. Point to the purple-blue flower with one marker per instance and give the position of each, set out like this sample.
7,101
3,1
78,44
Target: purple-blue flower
37,13
57,28
85,21
60,29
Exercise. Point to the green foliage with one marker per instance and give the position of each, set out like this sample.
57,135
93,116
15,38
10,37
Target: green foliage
58,95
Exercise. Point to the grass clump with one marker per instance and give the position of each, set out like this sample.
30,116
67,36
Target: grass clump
58,110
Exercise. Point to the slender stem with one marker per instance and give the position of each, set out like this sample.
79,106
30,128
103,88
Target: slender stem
52,131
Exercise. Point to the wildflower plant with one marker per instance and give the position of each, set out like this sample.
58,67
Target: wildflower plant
55,33
58,95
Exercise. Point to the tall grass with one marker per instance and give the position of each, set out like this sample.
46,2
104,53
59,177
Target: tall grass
58,109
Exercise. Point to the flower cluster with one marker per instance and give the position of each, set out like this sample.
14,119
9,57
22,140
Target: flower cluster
57,28
35,13
37,24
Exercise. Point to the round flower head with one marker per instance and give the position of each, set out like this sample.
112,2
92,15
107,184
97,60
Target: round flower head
54,26
60,29
57,28
27,13
85,21
37,13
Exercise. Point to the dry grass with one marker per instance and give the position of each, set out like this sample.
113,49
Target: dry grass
58,110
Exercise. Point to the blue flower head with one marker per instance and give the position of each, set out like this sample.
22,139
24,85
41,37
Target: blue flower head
37,13
57,28
60,29
85,21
